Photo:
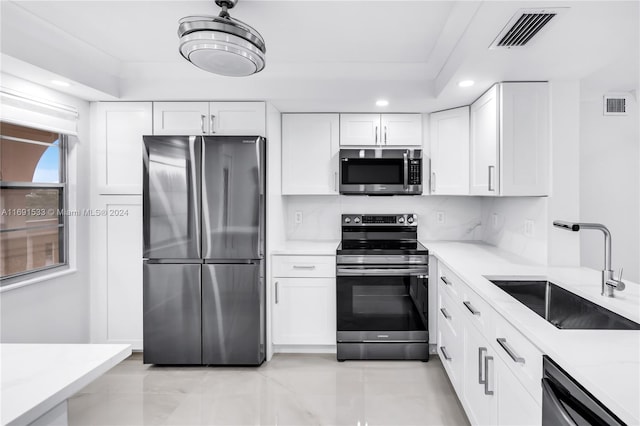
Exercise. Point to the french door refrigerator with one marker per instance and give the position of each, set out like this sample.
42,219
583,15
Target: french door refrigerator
204,238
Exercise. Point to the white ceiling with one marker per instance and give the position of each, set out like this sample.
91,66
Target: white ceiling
322,55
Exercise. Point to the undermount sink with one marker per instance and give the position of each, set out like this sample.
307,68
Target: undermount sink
562,308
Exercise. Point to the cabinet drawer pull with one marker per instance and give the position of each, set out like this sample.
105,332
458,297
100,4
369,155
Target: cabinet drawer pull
276,292
376,135
445,280
471,309
481,379
487,375
433,181
445,353
202,117
304,266
211,123
385,135
509,350
445,313
490,182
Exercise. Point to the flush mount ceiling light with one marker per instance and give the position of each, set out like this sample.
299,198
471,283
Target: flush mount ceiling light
466,83
382,103
221,44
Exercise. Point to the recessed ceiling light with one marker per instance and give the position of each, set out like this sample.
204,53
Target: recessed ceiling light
60,83
466,83
382,103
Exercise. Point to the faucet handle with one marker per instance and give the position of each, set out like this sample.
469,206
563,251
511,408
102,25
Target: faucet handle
617,284
620,276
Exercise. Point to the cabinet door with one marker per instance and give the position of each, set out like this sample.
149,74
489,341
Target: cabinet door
479,382
119,130
450,151
180,118
310,154
402,129
237,118
524,144
304,311
360,129
117,271
485,144
515,405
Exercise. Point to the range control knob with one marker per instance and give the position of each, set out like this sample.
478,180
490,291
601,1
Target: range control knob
410,219
347,220
356,220
401,220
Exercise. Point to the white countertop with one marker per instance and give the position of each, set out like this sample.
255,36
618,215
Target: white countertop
605,362
299,247
38,377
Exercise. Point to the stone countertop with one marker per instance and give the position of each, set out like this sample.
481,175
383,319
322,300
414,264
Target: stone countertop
605,362
38,377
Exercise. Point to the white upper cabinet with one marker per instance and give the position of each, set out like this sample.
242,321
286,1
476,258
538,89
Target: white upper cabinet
209,118
310,146
380,130
509,143
401,129
119,127
180,118
237,118
449,139
360,129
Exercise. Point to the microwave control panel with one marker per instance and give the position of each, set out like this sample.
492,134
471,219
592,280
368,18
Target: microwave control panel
415,172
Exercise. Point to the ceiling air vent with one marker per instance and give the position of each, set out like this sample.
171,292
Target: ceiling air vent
615,105
524,25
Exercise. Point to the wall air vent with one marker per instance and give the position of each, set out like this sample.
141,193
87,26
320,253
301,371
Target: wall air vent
524,25
615,105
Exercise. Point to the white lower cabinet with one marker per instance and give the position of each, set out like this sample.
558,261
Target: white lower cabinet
494,389
304,300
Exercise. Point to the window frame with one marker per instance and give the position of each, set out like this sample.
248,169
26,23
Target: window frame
63,219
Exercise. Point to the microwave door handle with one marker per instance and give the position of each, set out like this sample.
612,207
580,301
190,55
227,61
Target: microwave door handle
406,170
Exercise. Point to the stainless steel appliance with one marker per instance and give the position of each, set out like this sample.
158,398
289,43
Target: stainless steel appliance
566,403
204,237
381,171
381,291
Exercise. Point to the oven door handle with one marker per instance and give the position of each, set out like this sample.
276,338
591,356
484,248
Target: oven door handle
405,162
360,271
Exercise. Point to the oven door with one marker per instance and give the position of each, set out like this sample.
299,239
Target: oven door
379,303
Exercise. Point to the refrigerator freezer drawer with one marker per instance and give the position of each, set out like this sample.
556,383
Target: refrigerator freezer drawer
171,303
233,325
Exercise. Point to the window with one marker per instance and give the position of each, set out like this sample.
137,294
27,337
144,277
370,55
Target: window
33,226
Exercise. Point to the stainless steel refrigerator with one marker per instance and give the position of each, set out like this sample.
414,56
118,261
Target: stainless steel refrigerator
204,239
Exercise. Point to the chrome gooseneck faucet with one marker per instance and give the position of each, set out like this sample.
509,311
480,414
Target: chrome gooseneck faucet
609,284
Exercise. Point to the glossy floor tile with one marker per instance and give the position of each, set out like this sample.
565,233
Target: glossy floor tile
308,389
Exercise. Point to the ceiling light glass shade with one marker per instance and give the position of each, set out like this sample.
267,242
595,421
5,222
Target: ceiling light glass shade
221,45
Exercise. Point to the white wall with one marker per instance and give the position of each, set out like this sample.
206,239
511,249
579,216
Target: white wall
610,185
321,215
56,310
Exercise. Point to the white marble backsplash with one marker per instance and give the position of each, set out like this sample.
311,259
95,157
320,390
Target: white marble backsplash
321,215
504,225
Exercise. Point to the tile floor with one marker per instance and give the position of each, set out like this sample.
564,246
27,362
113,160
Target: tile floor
308,389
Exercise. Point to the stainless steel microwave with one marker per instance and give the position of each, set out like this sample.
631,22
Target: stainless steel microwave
381,171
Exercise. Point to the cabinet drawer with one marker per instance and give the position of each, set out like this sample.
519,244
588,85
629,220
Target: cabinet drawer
304,266
449,315
450,351
477,311
449,282
520,356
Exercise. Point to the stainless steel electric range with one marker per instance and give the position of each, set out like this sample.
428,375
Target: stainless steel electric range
382,297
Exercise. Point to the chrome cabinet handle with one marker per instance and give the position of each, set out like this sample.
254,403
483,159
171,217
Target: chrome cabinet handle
385,135
445,313
487,375
335,181
304,266
445,353
481,379
376,135
202,117
509,350
489,184
445,280
471,309
211,123
433,181
277,292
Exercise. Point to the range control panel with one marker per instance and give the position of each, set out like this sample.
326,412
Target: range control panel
379,220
